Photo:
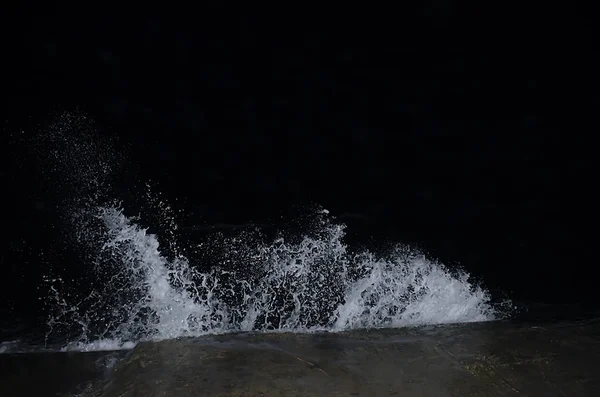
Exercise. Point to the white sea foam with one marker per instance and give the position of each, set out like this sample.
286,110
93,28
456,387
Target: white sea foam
135,289
296,285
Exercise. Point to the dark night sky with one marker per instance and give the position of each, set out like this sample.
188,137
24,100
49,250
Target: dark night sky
463,128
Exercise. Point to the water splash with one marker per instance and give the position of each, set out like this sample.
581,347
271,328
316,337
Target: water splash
131,288
302,284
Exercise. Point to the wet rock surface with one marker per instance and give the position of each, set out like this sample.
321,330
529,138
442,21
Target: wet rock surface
487,359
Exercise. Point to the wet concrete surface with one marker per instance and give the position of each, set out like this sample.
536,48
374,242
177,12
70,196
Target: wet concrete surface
487,359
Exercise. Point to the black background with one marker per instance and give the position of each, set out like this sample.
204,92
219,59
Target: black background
465,129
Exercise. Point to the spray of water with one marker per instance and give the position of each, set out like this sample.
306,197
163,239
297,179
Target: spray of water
135,289
311,284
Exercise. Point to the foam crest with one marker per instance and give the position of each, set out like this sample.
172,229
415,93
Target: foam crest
133,288
297,284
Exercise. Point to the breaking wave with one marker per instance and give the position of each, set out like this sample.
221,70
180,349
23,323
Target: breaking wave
307,284
134,289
